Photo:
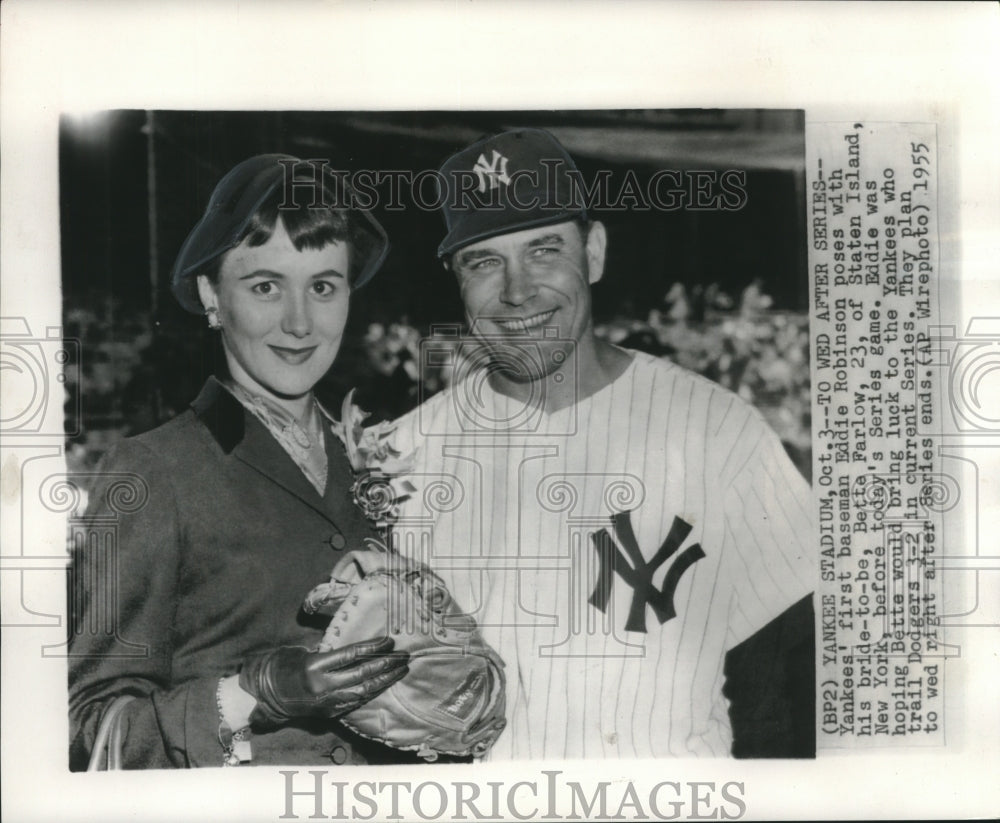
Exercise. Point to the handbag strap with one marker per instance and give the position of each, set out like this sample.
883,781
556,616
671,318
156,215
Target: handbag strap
107,751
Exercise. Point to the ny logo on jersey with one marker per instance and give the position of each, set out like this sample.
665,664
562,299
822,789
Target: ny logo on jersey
495,171
638,573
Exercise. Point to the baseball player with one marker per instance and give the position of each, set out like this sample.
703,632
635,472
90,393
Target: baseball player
614,522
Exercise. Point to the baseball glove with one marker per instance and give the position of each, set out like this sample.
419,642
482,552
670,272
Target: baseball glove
453,698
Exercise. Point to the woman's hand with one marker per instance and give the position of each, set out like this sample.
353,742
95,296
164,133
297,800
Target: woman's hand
291,681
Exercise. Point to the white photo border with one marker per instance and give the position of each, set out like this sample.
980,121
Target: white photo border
887,62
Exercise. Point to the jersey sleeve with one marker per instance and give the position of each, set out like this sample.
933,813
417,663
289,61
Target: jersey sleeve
123,602
768,533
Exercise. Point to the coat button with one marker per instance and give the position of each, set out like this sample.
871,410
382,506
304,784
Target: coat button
339,755
337,541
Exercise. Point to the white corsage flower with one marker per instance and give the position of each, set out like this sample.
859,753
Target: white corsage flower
379,487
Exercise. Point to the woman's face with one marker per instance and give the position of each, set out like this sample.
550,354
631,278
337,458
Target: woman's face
282,311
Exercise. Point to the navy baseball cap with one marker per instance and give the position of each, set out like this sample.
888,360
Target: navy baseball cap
237,198
508,182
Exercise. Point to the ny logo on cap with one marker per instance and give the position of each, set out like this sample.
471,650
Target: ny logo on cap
495,171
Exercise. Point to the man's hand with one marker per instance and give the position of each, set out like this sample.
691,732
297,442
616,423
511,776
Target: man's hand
291,681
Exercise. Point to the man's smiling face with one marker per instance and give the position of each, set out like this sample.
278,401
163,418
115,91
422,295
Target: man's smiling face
532,285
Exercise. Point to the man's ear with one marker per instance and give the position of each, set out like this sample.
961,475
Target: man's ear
597,243
206,291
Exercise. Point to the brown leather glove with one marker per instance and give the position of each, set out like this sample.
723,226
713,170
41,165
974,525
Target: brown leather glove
292,681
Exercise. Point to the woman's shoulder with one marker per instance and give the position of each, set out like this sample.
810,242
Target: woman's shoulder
183,438
188,434
164,438
147,471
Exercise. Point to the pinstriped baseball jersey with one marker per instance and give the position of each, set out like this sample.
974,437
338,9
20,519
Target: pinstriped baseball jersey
612,552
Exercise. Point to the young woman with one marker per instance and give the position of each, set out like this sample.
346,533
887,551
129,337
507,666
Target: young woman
224,518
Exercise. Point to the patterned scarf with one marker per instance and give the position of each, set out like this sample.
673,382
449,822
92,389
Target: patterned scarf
304,444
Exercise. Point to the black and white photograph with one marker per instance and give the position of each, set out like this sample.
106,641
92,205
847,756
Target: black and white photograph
607,326
474,412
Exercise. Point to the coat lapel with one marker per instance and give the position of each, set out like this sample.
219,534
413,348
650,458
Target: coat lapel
339,479
259,450
240,434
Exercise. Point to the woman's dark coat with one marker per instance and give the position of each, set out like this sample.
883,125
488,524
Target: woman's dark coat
216,537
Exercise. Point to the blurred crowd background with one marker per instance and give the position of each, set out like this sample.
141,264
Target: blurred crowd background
723,293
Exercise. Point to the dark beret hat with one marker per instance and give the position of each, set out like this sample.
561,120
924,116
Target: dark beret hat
236,199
